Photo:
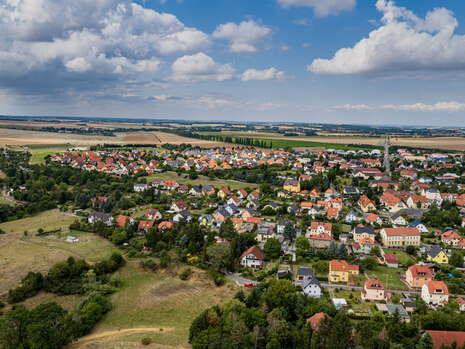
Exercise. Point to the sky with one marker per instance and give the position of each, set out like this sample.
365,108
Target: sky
333,61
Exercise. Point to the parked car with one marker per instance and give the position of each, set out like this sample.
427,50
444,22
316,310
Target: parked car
248,284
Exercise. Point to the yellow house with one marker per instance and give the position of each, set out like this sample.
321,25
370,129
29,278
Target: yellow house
436,254
292,185
399,237
338,271
223,193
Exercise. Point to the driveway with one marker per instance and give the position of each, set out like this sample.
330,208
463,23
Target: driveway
239,279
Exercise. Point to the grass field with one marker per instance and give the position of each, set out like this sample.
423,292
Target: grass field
5,201
355,303
389,274
402,256
201,180
47,220
39,153
148,302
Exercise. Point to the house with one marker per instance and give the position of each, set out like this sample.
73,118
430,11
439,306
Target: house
351,190
165,225
418,201
391,260
333,213
363,233
443,339
373,218
264,233
195,191
392,202
436,254
366,173
121,220
338,271
178,206
374,290
461,303
366,204
315,320
320,227
205,219
208,190
435,293
153,214
223,193
291,185
183,215
420,226
253,196
365,245
398,219
252,258
351,217
451,238
221,215
398,237
321,240
144,226
95,217
247,213
311,286
241,194
282,224
156,183
302,272
417,275
170,185
234,200
140,187
432,194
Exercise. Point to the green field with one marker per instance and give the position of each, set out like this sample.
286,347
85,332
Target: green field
201,180
389,274
402,256
158,305
39,153
355,303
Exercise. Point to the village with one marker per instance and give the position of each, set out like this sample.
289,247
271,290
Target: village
342,226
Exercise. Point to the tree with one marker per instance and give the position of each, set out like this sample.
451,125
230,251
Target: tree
289,231
227,229
332,249
342,251
456,259
219,255
426,342
410,249
369,263
302,242
272,249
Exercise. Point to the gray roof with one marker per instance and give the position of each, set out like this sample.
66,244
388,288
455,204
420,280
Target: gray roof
367,230
434,251
304,271
310,280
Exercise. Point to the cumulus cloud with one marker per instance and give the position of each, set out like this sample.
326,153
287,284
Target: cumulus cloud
262,75
242,37
200,67
98,39
322,8
403,43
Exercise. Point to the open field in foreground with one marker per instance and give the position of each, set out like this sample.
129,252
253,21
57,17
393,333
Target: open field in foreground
23,253
158,305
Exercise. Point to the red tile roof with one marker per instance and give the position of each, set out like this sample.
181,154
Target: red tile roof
447,338
255,251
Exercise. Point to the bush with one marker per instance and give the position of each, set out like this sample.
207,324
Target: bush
148,264
219,280
146,341
185,274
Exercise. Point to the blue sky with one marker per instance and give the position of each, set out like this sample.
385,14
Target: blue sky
343,61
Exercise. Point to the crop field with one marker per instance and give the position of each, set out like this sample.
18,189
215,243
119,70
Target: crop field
158,305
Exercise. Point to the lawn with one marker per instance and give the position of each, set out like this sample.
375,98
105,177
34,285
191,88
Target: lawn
148,302
201,180
402,256
5,201
389,274
362,307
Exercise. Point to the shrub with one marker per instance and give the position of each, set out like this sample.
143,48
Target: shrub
185,274
219,280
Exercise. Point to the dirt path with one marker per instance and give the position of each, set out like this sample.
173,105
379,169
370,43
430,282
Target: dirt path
112,335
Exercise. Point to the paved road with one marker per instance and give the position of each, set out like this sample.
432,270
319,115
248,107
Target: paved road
240,280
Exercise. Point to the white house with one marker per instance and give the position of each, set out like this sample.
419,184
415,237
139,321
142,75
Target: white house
95,217
139,187
435,293
252,258
178,206
420,226
311,286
